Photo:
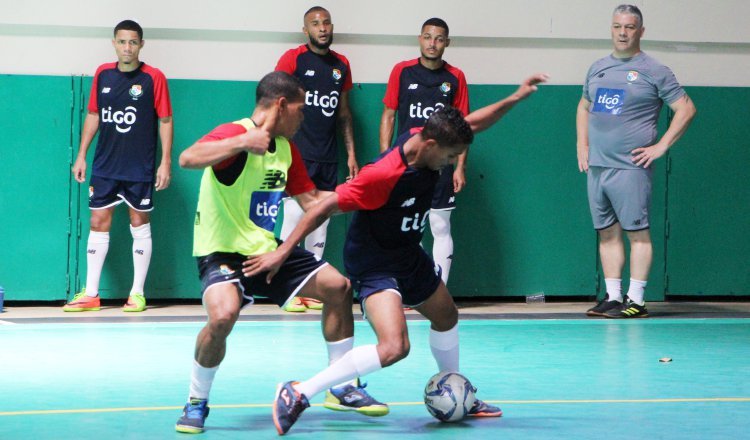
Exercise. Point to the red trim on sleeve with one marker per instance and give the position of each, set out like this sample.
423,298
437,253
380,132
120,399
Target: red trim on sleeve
461,98
288,61
93,100
394,82
162,103
348,82
372,186
297,181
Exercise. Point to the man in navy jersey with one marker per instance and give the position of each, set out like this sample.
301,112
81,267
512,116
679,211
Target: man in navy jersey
129,106
416,88
391,199
617,142
327,78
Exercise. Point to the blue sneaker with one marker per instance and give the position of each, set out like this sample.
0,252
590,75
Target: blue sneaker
288,406
481,409
354,398
193,416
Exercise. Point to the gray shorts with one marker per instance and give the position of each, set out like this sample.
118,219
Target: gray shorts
619,195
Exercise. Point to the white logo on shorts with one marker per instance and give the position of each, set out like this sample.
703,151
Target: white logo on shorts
145,201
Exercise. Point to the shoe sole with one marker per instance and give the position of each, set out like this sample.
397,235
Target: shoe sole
590,313
485,414
82,309
370,411
274,412
188,429
627,317
133,310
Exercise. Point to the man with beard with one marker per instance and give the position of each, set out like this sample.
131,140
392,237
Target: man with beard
327,78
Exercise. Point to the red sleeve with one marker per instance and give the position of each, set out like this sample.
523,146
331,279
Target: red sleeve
298,181
162,103
93,103
391,90
372,186
461,98
288,62
223,131
348,82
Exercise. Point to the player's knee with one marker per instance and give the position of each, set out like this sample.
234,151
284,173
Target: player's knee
393,351
222,321
338,291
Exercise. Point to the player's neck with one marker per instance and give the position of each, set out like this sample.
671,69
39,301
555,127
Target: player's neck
129,67
626,54
317,50
413,151
433,64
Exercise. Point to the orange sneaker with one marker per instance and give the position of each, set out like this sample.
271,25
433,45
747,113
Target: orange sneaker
295,306
82,303
312,304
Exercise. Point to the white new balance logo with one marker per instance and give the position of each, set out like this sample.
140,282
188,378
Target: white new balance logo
310,73
105,90
408,203
413,86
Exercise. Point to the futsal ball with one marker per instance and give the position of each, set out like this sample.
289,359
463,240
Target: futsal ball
449,396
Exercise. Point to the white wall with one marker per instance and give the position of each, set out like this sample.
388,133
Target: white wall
494,42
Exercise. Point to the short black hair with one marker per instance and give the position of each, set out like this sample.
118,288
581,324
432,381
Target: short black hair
129,25
448,127
279,84
316,9
437,22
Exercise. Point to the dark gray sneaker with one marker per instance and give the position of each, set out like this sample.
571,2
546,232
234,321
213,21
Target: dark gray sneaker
354,398
603,307
288,406
193,417
628,310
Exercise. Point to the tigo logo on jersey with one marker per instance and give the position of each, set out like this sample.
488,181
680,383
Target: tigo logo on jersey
264,207
136,91
415,223
326,103
416,111
336,74
609,101
445,87
119,117
632,76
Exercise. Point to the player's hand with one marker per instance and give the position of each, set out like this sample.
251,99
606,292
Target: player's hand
459,179
529,85
353,167
256,264
583,158
79,170
163,176
644,156
257,140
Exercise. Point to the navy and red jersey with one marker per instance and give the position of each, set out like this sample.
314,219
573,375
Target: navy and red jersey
326,78
129,105
392,203
227,171
415,91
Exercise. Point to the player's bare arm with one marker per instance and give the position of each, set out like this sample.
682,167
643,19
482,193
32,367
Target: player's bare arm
684,112
387,124
485,117
346,125
459,172
319,212
166,135
90,127
582,134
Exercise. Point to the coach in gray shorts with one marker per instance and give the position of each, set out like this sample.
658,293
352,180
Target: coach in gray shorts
617,142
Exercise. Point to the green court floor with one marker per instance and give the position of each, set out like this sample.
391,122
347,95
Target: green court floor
562,379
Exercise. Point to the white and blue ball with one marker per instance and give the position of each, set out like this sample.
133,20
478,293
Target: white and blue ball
449,396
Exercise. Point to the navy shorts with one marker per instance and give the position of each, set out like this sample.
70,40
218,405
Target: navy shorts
324,175
105,193
414,288
444,197
223,267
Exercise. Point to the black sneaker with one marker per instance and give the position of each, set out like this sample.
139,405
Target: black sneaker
287,407
193,417
603,307
481,409
628,310
354,398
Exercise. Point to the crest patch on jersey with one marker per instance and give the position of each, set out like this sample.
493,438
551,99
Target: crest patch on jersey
445,87
609,101
336,74
136,91
632,76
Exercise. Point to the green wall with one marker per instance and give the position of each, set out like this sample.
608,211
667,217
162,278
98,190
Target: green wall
522,226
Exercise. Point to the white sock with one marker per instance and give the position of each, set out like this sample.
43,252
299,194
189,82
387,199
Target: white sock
337,350
316,240
444,346
635,291
442,245
201,381
614,289
292,215
141,256
357,362
96,253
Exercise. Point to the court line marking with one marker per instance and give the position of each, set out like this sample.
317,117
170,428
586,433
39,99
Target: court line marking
268,405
